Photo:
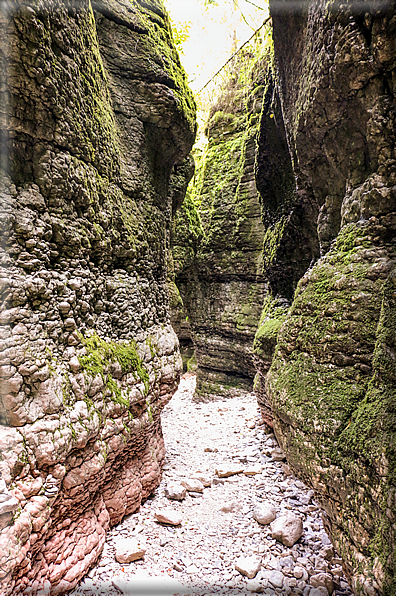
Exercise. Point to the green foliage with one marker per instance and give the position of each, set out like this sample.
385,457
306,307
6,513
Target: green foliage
180,32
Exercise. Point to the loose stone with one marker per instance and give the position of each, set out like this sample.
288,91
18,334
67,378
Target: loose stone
168,516
175,491
287,529
264,513
129,550
248,566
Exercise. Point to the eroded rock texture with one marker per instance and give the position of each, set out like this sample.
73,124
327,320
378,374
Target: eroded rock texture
217,252
331,385
96,115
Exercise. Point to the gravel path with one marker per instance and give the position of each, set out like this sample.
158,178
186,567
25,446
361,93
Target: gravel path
218,527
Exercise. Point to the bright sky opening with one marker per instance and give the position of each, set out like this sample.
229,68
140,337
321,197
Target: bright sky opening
213,33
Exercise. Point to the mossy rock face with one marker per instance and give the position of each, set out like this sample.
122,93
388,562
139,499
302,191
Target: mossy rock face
331,385
99,125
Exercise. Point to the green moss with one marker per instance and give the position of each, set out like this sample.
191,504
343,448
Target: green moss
100,354
272,240
272,318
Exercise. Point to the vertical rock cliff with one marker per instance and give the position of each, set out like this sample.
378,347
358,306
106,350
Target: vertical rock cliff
219,233
331,386
96,116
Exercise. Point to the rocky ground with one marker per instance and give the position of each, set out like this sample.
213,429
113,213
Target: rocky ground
241,476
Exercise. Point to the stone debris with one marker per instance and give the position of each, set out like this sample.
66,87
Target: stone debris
264,513
287,529
226,472
248,566
175,491
216,530
193,485
168,516
129,549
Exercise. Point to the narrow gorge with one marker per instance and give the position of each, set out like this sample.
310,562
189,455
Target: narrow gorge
269,266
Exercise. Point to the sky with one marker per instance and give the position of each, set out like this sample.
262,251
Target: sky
213,33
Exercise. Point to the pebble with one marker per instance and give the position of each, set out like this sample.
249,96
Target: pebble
264,513
168,516
193,485
248,566
219,527
129,549
175,491
287,529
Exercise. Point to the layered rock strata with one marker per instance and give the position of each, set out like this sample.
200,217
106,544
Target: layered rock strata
331,385
96,116
219,234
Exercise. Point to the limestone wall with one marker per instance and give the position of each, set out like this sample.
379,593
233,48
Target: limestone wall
331,385
96,116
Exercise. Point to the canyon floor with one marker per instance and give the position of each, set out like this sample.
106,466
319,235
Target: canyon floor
218,526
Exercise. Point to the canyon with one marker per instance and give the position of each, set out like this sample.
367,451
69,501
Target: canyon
274,269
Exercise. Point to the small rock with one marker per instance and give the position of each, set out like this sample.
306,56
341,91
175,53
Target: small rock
253,471
175,491
327,552
248,566
264,513
129,549
275,578
287,529
254,585
168,516
195,495
164,541
206,480
318,592
177,567
298,572
193,485
277,454
231,507
322,580
74,364
228,471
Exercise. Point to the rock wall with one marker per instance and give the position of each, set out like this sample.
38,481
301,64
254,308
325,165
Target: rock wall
219,233
96,117
331,385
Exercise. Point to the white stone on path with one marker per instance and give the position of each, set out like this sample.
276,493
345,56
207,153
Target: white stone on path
226,472
275,578
130,549
248,566
193,485
175,491
287,529
319,592
168,516
253,470
264,513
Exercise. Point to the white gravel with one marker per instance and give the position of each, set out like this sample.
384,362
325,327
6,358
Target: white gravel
199,556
